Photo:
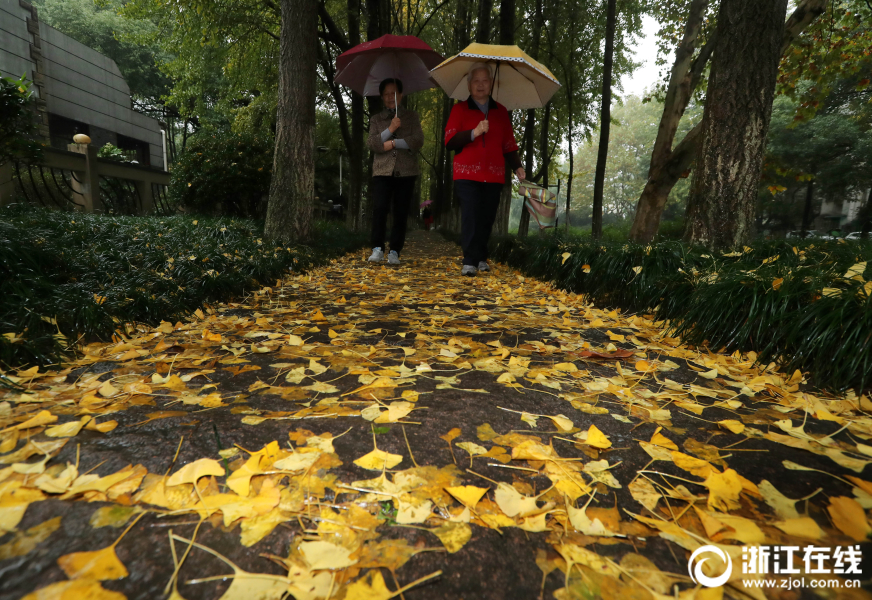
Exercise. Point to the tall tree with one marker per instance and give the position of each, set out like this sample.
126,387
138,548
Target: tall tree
748,48
289,213
669,161
507,38
529,126
605,122
483,26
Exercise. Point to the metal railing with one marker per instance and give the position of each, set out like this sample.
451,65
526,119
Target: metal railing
77,179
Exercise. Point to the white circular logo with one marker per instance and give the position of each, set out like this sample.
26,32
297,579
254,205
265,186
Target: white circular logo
699,577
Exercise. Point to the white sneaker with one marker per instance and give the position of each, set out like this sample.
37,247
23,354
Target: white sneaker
377,255
468,270
393,258
483,266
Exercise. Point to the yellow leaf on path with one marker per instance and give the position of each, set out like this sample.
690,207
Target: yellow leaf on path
709,374
486,433
451,435
245,585
849,517
692,465
25,541
369,587
534,524
566,367
107,390
67,429
563,423
724,489
378,460
506,378
322,388
295,340
804,527
408,512
191,472
100,565
300,460
473,448
529,419
583,524
74,590
594,437
13,504
733,425
467,495
784,507
104,427
453,535
644,492
112,516
240,480
656,452
512,502
324,555
658,439
43,417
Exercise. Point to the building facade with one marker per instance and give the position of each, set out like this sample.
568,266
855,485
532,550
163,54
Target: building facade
78,90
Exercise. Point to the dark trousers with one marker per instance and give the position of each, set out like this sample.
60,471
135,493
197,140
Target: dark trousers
390,195
478,210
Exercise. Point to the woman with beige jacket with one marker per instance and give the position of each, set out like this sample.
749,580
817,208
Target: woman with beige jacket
395,140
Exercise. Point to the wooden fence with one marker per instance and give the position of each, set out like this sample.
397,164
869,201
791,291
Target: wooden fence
78,178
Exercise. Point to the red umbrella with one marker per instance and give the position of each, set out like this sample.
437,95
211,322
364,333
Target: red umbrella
402,57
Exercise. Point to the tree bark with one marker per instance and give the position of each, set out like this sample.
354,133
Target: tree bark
483,27
605,123
723,197
527,140
667,166
507,38
355,151
289,213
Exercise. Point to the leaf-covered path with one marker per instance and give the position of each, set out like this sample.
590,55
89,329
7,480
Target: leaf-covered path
363,428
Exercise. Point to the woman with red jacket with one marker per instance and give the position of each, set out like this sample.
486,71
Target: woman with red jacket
480,133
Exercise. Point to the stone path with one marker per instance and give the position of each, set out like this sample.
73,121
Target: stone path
363,427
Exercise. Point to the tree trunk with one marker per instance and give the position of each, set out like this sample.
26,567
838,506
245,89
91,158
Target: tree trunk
483,27
355,151
723,197
605,123
289,213
507,38
667,166
538,24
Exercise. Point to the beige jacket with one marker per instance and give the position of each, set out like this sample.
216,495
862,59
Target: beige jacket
397,162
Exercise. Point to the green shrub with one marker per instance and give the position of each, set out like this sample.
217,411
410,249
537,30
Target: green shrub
74,277
223,173
770,298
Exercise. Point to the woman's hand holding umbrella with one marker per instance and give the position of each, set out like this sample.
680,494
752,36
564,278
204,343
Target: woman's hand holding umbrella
481,128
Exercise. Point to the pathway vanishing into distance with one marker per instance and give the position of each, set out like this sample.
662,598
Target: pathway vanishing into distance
364,428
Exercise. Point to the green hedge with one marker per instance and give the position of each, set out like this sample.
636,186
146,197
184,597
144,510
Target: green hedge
84,275
731,301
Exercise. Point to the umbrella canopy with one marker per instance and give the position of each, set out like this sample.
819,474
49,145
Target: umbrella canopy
519,81
402,57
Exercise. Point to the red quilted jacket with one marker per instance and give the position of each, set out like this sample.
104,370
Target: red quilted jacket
481,160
